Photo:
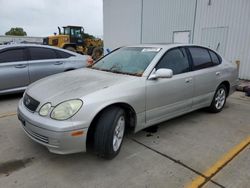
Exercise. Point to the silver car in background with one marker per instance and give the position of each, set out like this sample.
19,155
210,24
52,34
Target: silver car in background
23,64
133,87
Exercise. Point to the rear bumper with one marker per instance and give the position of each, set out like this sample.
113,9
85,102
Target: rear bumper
232,89
59,142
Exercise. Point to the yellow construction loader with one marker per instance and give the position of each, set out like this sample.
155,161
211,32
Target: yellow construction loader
72,38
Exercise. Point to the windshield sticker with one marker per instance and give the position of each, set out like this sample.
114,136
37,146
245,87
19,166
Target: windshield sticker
151,50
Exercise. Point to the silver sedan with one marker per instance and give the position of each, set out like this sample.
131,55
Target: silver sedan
23,64
133,87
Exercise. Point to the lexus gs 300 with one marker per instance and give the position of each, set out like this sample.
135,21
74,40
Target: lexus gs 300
133,87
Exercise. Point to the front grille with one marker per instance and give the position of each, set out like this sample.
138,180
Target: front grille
30,103
37,136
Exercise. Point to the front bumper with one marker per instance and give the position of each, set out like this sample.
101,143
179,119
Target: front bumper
57,141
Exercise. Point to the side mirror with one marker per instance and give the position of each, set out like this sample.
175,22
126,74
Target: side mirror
161,73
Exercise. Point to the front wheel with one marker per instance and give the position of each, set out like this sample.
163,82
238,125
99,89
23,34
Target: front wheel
219,99
109,132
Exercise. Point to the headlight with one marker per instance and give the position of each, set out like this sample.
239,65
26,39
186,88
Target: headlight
44,110
66,109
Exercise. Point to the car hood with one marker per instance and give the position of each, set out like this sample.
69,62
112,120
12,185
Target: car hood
73,84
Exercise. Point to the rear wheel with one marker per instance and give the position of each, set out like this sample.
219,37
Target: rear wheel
219,99
109,132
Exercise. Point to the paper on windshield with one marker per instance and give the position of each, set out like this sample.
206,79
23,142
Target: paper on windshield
151,49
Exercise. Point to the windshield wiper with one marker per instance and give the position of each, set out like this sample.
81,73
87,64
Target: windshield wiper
116,71
94,68
126,73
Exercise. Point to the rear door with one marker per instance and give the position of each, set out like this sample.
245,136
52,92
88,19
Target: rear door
71,62
206,75
13,69
43,62
169,97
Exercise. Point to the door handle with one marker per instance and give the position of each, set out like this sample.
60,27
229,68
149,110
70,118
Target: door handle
217,73
58,63
20,66
188,80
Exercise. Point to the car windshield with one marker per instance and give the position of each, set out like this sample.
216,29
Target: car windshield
127,60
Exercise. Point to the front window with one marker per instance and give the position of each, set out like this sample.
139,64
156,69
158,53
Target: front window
66,31
127,60
175,59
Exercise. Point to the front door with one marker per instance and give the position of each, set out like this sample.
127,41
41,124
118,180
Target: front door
170,97
13,69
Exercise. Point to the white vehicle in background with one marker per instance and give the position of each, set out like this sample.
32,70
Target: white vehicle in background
22,64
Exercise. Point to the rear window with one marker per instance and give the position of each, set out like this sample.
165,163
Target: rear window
12,55
37,53
201,58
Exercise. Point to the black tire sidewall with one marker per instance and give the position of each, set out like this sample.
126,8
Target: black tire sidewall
104,133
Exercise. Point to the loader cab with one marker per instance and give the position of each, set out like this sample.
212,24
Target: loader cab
75,34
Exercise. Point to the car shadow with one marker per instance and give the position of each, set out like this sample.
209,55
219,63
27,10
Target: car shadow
11,96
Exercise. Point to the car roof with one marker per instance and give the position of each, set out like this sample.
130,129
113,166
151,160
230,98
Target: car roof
2,46
165,46
34,45
168,46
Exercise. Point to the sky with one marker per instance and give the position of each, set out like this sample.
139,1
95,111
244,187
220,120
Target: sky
41,17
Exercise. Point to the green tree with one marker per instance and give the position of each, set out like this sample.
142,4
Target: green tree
88,36
17,31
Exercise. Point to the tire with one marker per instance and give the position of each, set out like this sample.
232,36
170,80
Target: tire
109,132
70,48
219,99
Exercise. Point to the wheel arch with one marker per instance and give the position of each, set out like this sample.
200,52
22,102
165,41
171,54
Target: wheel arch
130,117
69,69
227,85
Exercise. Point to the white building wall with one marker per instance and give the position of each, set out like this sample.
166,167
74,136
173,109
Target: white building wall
122,23
223,25
163,17
231,19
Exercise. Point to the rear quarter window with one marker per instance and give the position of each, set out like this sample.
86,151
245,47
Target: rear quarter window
62,54
215,58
